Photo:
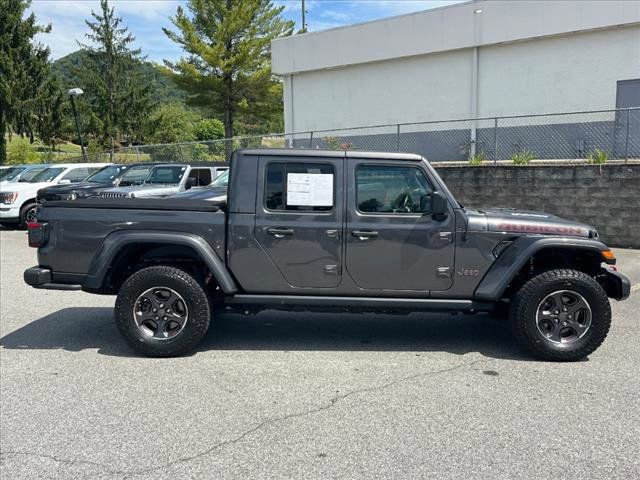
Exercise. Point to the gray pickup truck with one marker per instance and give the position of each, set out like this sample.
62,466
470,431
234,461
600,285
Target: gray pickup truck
328,230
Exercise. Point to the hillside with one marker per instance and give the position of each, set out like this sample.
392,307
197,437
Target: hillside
163,89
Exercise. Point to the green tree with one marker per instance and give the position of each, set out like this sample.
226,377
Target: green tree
208,129
228,67
112,80
24,74
170,123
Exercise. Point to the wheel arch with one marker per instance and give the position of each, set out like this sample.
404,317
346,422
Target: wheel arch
529,255
119,246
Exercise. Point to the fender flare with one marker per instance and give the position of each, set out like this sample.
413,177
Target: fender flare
507,266
115,241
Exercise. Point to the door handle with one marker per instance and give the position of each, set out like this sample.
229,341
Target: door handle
280,232
364,234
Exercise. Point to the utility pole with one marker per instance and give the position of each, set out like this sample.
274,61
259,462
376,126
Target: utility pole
304,22
76,92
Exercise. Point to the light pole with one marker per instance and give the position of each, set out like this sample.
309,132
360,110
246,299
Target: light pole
76,92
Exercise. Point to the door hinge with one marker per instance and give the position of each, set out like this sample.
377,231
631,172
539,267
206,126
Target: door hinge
444,272
331,270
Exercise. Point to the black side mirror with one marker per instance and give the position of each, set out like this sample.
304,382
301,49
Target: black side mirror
191,182
435,204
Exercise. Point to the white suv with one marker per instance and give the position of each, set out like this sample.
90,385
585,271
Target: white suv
18,200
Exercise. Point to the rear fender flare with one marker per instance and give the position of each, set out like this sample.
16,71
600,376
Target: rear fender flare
507,266
115,241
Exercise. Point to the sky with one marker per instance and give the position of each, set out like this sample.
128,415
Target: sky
145,19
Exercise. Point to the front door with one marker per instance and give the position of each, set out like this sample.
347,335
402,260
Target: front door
391,243
627,121
299,219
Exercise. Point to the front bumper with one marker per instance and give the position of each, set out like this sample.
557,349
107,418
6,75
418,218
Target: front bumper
9,213
39,277
615,284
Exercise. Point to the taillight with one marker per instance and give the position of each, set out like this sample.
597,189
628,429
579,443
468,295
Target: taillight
37,234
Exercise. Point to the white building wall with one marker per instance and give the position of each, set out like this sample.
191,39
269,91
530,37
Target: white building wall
553,74
558,74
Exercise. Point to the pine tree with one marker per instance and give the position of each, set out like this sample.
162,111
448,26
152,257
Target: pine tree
24,74
228,67
112,80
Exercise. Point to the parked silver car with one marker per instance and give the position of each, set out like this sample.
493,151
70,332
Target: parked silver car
167,179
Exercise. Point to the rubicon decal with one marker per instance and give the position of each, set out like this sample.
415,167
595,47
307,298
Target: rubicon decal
540,228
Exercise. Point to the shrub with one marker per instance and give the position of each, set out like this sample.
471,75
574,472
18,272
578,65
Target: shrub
19,150
598,157
523,157
334,143
478,159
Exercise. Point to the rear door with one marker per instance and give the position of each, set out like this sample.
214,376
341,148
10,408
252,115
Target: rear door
299,218
391,244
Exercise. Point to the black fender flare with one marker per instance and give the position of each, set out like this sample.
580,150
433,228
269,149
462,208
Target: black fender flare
509,263
115,241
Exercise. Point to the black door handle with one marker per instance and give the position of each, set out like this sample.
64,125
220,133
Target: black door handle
280,232
364,234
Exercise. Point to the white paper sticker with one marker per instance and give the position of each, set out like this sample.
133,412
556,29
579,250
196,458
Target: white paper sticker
310,189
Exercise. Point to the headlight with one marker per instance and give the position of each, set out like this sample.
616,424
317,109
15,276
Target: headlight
8,197
72,196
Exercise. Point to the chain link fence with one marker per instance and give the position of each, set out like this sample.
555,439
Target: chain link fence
576,135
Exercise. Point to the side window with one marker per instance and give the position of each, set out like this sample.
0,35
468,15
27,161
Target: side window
202,175
77,174
392,190
299,187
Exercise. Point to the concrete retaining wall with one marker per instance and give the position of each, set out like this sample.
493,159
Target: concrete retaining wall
607,196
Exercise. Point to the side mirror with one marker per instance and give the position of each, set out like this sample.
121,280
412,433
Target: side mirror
64,181
438,205
191,182
435,204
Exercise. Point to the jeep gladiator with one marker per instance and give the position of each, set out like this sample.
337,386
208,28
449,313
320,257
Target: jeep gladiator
328,230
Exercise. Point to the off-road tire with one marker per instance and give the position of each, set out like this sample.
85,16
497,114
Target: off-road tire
187,287
524,307
23,213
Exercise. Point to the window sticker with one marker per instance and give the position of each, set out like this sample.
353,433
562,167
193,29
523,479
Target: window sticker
310,189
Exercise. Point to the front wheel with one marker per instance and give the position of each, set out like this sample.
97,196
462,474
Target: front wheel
162,311
561,315
28,214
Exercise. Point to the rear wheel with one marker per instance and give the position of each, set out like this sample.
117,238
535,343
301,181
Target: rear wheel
162,311
561,315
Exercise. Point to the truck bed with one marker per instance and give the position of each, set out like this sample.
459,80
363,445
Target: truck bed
78,229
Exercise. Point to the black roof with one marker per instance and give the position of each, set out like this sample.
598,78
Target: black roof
304,152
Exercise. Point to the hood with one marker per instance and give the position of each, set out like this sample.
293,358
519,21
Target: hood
141,191
72,187
511,220
24,186
212,194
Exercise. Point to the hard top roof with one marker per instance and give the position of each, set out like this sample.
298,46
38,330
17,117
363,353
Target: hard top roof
303,152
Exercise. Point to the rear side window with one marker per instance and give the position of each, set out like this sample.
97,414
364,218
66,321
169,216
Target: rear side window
202,176
390,189
299,187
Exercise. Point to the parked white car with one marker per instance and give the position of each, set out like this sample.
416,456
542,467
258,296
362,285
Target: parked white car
21,173
18,200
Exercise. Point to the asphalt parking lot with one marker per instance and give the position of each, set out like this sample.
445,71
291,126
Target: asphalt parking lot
286,395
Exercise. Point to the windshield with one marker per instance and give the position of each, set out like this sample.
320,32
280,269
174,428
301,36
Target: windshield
10,173
26,177
47,175
105,175
170,175
221,180
135,175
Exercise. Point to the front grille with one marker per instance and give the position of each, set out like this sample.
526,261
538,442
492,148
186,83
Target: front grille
113,195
